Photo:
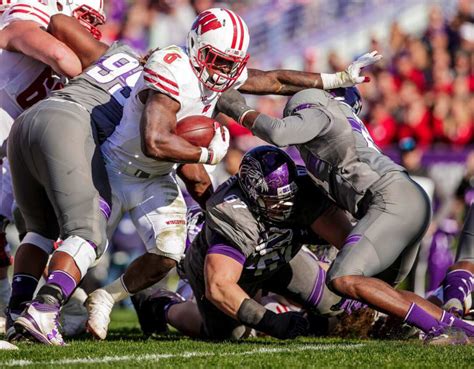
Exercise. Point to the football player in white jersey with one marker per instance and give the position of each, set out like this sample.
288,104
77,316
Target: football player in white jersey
33,64
141,157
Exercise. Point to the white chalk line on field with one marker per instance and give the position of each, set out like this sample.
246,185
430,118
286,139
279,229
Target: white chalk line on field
183,355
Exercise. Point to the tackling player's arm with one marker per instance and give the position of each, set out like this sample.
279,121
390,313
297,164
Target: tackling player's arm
28,38
77,38
291,130
197,181
222,274
288,82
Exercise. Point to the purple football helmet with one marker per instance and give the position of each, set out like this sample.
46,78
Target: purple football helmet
267,177
349,95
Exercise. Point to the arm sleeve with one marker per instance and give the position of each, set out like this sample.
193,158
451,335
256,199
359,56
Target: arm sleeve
30,10
292,130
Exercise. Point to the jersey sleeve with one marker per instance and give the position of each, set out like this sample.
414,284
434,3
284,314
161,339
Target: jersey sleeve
29,10
160,72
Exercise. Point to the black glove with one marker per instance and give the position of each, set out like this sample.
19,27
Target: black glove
233,104
283,326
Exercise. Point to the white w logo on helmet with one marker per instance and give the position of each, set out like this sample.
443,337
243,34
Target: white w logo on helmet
217,43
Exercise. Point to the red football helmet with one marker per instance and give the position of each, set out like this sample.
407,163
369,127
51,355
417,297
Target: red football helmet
217,47
90,13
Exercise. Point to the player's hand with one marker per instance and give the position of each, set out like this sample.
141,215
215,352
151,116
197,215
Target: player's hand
218,145
290,325
351,76
354,69
233,104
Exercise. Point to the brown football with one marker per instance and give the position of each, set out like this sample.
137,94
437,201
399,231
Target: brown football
196,129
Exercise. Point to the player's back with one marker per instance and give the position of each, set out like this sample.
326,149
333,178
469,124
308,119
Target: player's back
23,80
342,159
103,87
169,72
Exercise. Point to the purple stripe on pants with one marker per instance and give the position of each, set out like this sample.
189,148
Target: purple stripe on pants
105,208
352,239
227,251
318,288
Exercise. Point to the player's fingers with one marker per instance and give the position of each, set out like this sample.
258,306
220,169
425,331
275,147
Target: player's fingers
225,134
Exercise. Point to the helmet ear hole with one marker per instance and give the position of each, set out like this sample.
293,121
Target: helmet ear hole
192,42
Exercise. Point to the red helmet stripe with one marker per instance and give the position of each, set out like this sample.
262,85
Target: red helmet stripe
242,32
234,23
164,79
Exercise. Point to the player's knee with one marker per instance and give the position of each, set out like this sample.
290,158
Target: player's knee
44,243
82,251
344,285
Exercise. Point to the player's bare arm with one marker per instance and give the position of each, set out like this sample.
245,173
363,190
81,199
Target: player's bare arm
288,82
28,38
157,127
197,181
158,138
221,275
333,226
69,31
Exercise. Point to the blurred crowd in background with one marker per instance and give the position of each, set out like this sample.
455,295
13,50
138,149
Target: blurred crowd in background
419,105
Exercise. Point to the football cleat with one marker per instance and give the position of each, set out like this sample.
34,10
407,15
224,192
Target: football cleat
99,305
74,314
39,322
10,331
446,336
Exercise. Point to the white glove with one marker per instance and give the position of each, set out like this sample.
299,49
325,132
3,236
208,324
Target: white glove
351,76
217,147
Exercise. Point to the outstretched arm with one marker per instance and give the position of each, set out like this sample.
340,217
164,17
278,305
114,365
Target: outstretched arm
28,38
288,82
291,130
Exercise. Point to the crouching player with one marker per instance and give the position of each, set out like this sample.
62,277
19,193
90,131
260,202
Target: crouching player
256,225
393,211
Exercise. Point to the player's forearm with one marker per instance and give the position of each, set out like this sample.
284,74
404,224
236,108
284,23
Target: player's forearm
197,181
32,41
279,82
227,296
170,147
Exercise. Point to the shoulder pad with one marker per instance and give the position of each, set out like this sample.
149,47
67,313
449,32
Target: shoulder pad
160,71
30,10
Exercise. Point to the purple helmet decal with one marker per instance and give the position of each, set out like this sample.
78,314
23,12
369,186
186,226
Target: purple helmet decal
267,177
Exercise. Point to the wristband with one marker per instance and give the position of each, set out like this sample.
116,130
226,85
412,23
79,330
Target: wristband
204,158
332,80
241,118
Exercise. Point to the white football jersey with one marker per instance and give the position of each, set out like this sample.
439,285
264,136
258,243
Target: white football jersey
169,72
23,80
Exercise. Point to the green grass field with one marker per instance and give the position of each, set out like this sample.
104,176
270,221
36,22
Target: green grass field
125,348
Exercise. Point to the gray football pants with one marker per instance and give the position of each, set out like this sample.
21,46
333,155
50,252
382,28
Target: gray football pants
385,241
53,160
465,250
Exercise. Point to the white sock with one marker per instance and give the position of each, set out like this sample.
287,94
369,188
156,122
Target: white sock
117,290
